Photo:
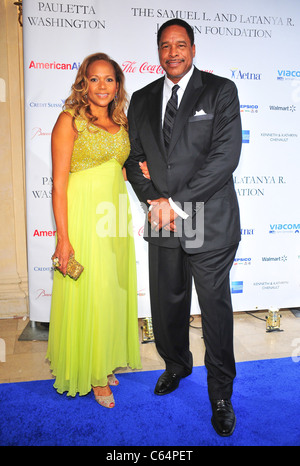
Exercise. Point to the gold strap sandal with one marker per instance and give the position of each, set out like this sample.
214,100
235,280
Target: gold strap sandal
112,380
106,401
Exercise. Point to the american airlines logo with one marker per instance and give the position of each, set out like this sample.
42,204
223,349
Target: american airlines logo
53,66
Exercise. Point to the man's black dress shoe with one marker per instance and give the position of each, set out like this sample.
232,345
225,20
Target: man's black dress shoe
223,418
167,383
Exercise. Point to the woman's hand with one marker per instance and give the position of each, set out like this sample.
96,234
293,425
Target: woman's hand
144,168
62,253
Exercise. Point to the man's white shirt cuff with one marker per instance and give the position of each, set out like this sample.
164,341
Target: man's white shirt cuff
177,209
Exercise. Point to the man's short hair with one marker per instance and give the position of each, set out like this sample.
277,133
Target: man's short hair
176,22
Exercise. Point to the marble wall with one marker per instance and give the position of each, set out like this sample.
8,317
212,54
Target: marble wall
13,254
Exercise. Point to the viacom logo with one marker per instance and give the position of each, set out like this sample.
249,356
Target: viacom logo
283,75
285,228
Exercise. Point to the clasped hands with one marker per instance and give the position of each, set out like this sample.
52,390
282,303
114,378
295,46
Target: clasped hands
161,214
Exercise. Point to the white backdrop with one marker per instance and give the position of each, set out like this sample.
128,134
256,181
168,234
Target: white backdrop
255,45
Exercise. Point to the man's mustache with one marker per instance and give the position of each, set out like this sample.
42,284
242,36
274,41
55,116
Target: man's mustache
175,59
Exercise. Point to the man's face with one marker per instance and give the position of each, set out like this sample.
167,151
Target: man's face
175,52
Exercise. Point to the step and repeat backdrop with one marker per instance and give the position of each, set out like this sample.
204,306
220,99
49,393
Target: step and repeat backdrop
255,45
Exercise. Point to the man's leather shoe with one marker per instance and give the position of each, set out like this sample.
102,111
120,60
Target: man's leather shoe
167,383
223,418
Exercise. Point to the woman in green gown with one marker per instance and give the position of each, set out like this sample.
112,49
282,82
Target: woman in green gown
93,323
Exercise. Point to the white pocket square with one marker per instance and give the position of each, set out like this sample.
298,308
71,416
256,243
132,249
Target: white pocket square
200,112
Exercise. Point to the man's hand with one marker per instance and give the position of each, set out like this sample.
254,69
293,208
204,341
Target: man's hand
162,215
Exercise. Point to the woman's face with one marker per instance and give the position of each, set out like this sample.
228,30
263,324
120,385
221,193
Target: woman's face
102,83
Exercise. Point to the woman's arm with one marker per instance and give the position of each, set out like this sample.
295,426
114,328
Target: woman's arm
62,142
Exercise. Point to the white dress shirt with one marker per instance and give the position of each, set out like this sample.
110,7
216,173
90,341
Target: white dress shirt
167,91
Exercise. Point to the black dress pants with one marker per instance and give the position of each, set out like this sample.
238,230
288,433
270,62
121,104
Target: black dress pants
171,271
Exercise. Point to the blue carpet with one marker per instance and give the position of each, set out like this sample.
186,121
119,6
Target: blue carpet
266,401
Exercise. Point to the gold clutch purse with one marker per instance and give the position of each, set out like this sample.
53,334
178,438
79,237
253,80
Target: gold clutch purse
74,268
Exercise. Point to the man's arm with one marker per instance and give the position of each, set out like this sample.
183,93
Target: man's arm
143,187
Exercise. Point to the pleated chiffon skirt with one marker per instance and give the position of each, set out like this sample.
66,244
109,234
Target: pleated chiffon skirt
94,324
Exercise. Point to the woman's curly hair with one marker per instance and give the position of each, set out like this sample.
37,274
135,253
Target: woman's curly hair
78,101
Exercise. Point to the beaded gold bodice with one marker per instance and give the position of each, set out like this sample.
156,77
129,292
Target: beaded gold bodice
95,146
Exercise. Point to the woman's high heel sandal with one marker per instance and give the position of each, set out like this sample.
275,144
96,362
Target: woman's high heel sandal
106,401
112,380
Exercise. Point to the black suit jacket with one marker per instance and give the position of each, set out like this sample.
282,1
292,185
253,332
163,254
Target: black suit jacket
196,171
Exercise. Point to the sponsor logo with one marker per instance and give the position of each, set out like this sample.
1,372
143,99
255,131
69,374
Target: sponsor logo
37,132
274,259
237,287
288,108
242,261
283,75
245,136
53,66
46,104
43,269
285,228
44,233
132,67
247,231
238,74
249,108
41,293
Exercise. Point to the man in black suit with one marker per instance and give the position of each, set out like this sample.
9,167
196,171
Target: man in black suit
193,226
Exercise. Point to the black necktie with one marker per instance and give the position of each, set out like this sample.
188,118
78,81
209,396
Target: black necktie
170,115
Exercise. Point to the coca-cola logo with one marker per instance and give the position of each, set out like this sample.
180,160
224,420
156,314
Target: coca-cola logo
141,231
146,67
